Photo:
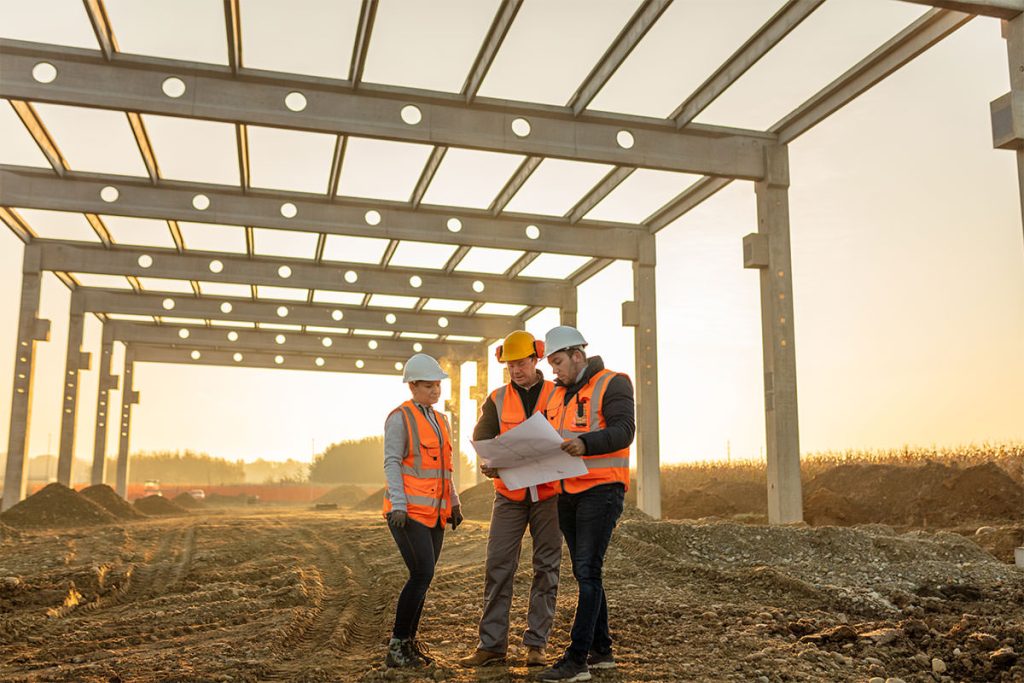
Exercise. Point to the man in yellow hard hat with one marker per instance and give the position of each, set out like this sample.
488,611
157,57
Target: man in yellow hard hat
515,510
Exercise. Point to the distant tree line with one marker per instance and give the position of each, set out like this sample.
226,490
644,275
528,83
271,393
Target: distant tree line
182,467
352,461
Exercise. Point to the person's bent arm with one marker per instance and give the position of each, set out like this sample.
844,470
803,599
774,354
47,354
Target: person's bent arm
619,416
395,440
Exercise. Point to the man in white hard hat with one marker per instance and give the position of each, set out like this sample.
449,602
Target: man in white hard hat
419,499
516,510
593,409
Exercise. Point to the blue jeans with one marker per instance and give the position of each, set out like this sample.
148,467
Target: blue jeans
587,520
420,547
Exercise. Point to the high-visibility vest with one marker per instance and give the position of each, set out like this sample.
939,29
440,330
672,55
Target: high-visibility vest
512,412
583,414
427,467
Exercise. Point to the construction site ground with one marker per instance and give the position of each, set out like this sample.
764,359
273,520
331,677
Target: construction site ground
278,594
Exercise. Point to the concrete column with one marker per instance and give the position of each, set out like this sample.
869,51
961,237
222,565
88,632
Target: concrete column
1008,111
31,329
768,250
129,397
642,315
75,362
107,383
454,408
567,312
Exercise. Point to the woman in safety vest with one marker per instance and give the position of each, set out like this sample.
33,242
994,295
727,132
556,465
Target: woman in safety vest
419,499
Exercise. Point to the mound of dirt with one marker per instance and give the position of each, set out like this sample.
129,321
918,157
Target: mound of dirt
55,505
187,501
477,501
158,505
930,495
345,494
8,533
108,499
374,501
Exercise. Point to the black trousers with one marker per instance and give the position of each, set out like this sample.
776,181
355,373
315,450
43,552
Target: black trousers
420,547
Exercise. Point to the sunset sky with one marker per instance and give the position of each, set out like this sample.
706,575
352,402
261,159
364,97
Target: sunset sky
908,261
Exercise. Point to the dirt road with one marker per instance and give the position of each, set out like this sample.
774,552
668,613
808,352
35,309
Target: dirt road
308,596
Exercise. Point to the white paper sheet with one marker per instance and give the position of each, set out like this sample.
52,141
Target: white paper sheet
529,454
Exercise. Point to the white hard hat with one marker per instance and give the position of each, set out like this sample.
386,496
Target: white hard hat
561,338
423,367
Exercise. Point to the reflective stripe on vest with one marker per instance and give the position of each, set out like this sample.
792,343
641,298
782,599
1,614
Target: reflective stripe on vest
420,481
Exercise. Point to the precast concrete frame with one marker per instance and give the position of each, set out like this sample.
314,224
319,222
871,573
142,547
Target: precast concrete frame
106,78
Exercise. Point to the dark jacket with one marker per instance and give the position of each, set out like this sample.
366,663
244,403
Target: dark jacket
618,409
489,424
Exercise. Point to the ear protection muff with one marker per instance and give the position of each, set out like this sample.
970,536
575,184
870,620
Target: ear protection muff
497,352
538,349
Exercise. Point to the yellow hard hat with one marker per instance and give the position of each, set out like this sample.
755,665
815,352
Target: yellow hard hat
518,345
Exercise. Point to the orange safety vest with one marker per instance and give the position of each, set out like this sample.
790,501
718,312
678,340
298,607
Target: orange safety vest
511,412
426,469
583,414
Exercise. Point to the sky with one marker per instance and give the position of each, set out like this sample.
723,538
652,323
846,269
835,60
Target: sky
908,262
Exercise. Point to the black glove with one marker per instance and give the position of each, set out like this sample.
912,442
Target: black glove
398,518
456,518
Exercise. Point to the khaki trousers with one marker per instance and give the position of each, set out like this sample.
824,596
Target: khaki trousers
509,520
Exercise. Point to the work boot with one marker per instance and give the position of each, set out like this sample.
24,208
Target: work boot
482,658
535,656
566,670
597,660
401,655
421,651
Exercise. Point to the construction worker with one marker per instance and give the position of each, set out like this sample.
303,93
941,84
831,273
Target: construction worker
419,499
514,511
593,410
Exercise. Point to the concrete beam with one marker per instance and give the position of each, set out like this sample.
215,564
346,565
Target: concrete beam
129,397
361,45
76,257
599,192
502,22
685,201
132,83
31,330
321,315
926,31
1013,32
785,500
32,188
757,46
200,337
1001,9
629,37
371,366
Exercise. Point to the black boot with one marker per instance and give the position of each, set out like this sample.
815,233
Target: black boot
401,655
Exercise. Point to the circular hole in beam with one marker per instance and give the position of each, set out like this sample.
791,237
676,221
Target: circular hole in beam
145,261
216,266
200,202
173,87
532,232
196,355
415,281
390,319
520,127
237,357
279,359
337,315
109,194
327,342
282,311
168,304
44,72
454,225
442,321
284,272
478,286
411,114
399,365
417,347
183,333
226,307
625,139
351,276
232,336
372,344
319,362
289,210
360,364
372,217
280,339
295,101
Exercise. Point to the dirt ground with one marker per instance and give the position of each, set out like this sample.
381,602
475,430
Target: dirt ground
298,595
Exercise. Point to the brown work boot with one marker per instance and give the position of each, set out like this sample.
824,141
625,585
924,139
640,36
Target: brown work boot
483,658
535,656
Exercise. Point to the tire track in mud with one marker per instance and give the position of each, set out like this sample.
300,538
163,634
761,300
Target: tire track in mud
345,616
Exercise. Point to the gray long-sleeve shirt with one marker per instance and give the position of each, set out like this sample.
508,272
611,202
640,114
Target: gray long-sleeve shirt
396,443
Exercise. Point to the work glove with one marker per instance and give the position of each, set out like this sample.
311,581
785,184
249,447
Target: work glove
456,518
398,518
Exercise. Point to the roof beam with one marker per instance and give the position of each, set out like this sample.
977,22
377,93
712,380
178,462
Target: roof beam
630,36
233,25
146,353
514,184
172,200
132,83
589,270
144,145
361,45
685,201
76,257
928,30
322,315
1001,9
599,192
266,340
757,46
489,49
429,169
101,27
27,113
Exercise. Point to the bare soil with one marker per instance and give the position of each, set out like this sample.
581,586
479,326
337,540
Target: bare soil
279,595
158,505
110,501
